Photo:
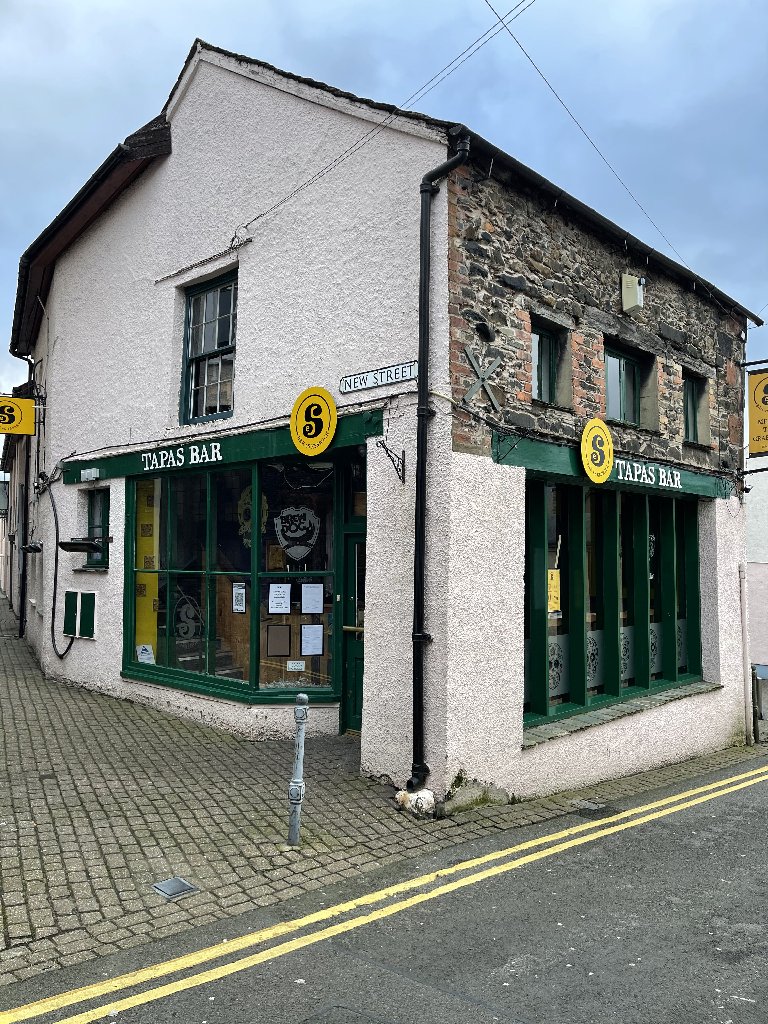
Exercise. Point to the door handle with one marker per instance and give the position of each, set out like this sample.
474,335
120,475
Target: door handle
353,629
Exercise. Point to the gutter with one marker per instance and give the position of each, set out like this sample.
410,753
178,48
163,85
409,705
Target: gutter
428,189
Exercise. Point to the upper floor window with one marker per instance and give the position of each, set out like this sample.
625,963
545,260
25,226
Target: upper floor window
544,359
694,391
622,387
209,350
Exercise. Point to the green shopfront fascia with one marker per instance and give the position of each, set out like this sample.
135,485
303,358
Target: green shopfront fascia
236,555
612,592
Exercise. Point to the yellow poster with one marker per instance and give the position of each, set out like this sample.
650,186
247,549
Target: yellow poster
553,590
17,415
757,398
147,557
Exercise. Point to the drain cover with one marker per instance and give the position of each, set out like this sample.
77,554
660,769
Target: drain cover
174,888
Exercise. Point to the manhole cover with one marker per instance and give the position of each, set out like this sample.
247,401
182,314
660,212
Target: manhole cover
174,888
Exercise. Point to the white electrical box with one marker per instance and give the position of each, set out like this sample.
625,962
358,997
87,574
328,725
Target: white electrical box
631,293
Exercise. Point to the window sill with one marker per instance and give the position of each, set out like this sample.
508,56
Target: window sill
698,446
103,569
650,431
553,728
539,403
207,419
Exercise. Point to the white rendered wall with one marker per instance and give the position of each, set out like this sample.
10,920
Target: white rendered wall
328,287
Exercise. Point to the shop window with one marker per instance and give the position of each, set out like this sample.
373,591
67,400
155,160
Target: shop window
98,527
695,408
233,588
209,350
612,597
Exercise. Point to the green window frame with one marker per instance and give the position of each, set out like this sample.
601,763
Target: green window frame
98,527
622,387
208,365
656,594
158,579
693,388
545,352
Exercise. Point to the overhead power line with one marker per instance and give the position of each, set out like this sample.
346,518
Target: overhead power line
503,25
408,103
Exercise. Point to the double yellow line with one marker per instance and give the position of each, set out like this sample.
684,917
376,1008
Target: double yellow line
501,861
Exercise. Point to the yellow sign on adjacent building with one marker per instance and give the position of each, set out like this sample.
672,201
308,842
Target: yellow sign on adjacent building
17,415
757,397
313,421
597,451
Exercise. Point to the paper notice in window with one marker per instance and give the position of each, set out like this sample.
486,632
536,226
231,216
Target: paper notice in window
553,590
311,640
279,598
311,598
238,598
145,655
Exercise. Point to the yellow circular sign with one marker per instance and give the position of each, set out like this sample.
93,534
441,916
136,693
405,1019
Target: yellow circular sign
313,421
597,451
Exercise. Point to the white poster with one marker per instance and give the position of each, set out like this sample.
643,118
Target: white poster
311,598
311,640
145,655
279,598
238,598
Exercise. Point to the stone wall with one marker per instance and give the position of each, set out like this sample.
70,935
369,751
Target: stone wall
517,258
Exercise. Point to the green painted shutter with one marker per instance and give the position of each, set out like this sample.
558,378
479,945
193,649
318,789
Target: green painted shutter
70,613
87,615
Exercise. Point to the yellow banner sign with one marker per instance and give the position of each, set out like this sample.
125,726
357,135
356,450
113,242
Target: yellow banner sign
17,415
757,398
597,451
313,421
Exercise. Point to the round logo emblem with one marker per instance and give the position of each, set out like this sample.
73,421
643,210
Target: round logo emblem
313,421
759,386
597,451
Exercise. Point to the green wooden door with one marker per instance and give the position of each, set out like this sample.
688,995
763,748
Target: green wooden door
353,629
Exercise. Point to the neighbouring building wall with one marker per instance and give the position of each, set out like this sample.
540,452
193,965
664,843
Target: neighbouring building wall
757,561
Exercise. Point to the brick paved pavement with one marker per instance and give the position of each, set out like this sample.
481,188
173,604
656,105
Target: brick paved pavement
99,798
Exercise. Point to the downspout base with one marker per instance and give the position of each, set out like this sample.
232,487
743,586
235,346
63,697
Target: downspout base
419,776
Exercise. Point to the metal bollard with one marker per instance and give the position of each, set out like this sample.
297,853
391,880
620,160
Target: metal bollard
296,785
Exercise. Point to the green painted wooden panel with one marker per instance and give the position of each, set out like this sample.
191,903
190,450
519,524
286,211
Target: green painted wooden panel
258,444
577,593
690,520
611,594
667,560
87,626
70,613
642,591
536,596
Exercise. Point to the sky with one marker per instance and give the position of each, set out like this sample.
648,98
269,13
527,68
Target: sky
673,92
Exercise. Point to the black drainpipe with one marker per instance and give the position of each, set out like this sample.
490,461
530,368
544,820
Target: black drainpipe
25,518
428,188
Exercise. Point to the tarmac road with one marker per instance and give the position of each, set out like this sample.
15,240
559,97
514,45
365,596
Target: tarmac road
649,910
